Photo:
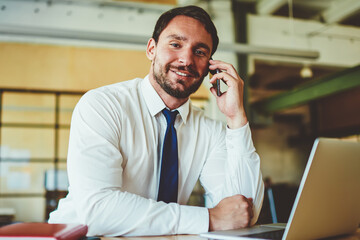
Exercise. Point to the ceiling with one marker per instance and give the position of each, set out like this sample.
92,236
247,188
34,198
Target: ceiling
327,11
271,77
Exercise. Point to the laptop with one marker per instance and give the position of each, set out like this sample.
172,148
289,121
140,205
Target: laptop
327,202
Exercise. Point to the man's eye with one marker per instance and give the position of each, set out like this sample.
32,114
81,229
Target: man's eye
176,45
200,53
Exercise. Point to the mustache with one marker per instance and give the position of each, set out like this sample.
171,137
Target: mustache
189,69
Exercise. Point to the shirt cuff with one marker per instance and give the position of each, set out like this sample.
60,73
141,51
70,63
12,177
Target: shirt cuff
193,220
239,140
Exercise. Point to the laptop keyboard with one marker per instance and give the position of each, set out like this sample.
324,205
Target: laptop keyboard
267,235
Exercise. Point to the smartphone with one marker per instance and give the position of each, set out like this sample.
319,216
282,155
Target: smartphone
217,84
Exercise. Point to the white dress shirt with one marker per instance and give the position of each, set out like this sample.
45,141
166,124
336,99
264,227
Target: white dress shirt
114,161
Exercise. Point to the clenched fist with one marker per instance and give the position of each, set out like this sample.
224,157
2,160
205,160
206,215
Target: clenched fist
231,213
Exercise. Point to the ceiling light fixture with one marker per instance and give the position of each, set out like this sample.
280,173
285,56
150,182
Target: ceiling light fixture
306,72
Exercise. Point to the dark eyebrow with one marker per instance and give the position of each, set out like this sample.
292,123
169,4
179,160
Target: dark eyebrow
177,37
203,45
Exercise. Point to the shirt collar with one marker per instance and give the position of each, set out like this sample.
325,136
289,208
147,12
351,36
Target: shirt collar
155,104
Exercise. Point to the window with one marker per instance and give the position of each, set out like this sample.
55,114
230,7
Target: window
33,147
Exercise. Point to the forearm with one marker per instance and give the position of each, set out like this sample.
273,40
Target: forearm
113,213
244,168
234,170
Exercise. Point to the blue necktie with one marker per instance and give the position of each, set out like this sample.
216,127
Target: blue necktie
168,188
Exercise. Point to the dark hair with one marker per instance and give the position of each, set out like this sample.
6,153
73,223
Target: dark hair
190,11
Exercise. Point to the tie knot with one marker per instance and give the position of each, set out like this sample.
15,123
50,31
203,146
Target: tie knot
170,116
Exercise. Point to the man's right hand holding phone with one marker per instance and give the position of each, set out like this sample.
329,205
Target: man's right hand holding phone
231,102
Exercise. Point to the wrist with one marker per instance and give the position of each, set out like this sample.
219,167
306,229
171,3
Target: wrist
237,121
211,220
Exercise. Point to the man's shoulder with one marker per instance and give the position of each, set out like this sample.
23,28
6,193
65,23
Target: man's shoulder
128,85
111,96
119,89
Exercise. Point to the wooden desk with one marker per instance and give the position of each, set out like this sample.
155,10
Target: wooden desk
355,236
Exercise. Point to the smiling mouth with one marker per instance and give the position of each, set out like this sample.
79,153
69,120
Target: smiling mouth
182,71
182,74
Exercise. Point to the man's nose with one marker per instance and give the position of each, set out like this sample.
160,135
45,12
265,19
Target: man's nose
186,57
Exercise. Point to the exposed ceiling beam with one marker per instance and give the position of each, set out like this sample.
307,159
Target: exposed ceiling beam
266,7
116,38
340,10
326,86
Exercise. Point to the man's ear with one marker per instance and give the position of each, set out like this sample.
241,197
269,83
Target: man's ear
150,49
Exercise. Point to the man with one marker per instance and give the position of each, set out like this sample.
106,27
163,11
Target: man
115,158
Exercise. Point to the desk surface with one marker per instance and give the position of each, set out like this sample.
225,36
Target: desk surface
355,236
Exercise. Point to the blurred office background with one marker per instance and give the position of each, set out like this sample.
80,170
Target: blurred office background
299,60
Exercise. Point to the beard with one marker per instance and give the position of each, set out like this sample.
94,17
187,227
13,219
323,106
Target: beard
160,77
